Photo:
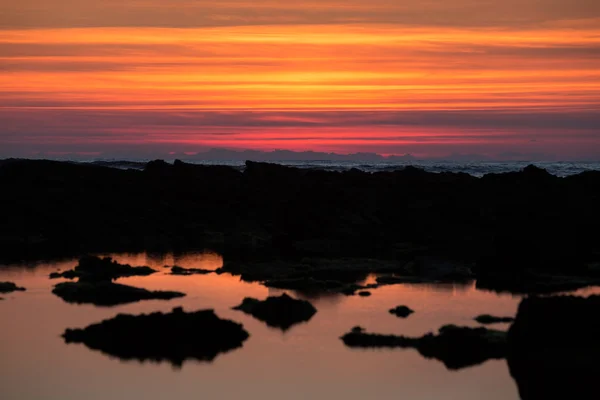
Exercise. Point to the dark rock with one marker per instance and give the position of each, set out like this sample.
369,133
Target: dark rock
401,311
279,312
8,287
95,269
490,319
189,271
364,293
457,347
173,337
529,282
500,224
554,347
107,293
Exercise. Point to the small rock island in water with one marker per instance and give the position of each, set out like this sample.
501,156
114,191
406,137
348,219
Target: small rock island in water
9,287
173,337
457,347
279,312
401,311
176,270
91,268
491,319
95,284
108,293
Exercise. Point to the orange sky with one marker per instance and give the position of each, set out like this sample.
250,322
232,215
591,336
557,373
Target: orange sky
429,78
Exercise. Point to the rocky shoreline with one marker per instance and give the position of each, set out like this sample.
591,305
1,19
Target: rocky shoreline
526,231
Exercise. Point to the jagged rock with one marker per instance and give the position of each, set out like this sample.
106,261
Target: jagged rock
8,287
279,312
554,347
91,268
107,293
457,347
500,224
173,337
490,319
401,311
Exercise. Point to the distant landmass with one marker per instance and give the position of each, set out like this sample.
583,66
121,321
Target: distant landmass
222,154
286,155
144,154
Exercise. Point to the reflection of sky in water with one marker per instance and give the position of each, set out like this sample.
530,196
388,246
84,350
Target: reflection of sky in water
308,361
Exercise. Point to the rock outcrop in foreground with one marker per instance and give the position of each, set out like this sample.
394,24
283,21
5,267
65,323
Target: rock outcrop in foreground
457,347
554,348
173,337
278,312
502,223
8,287
108,293
96,269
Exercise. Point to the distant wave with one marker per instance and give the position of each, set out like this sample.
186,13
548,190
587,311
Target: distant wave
477,168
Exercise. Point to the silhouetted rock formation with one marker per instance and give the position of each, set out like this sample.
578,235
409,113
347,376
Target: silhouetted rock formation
457,347
95,269
189,271
536,283
8,287
106,293
496,226
173,337
401,311
364,293
490,319
554,347
279,312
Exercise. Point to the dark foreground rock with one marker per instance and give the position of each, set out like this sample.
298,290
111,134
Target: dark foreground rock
491,319
173,337
401,311
8,287
107,293
444,226
279,312
457,347
554,350
176,270
96,269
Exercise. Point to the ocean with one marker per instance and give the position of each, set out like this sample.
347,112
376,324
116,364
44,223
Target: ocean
475,168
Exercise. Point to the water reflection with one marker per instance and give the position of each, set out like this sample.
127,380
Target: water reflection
271,365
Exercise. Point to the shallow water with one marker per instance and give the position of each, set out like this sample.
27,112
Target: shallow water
307,361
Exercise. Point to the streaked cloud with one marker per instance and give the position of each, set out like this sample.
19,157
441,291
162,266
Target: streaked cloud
338,75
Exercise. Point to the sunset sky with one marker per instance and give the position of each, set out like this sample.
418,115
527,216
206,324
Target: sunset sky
511,78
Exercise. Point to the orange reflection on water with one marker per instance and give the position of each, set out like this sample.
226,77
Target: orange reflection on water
270,365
